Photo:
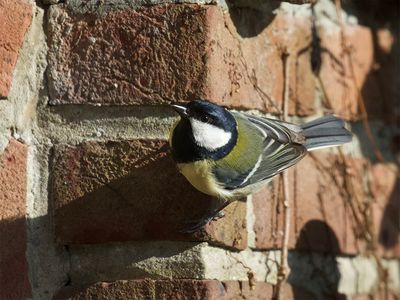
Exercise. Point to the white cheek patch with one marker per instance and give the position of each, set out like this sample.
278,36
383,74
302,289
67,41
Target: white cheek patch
209,136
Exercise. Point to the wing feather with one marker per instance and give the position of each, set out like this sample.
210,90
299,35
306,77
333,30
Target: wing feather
282,148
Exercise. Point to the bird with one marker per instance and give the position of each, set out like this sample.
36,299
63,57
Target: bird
229,155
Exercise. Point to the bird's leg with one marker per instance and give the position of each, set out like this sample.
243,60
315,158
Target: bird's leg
196,225
218,213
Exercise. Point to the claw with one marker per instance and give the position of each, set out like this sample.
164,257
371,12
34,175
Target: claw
196,225
218,216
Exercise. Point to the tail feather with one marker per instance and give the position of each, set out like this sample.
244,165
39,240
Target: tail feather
326,121
327,131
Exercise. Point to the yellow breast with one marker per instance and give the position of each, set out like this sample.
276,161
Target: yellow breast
199,175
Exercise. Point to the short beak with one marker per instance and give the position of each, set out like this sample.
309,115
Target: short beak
181,110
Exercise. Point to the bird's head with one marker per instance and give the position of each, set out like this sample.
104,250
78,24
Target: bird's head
212,126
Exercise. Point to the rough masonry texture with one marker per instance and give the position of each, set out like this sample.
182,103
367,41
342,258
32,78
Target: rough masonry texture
178,289
92,205
174,53
235,60
320,198
14,281
15,16
134,193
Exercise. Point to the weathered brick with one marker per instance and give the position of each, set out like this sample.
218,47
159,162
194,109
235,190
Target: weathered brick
247,71
234,59
150,55
189,289
175,53
319,198
381,87
385,187
178,289
297,46
324,218
261,290
389,295
14,280
345,76
134,289
15,18
383,84
131,190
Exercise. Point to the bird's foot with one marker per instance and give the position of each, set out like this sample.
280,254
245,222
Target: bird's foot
196,225
218,216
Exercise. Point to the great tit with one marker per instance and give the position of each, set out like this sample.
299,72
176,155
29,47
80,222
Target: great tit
230,155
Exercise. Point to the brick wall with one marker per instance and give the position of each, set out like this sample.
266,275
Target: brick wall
91,203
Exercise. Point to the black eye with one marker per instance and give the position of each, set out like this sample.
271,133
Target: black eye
204,118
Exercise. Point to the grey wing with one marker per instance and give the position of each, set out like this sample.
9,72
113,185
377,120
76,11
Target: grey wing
282,149
279,130
273,163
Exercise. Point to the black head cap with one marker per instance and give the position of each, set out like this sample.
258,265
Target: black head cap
208,112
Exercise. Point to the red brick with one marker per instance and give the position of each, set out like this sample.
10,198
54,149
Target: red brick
131,190
15,18
322,218
237,66
237,290
175,53
230,230
150,55
249,72
385,187
189,289
14,280
378,295
382,87
292,35
178,289
133,289
336,73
